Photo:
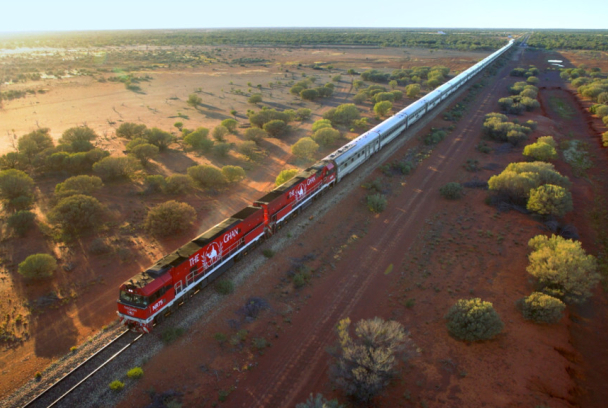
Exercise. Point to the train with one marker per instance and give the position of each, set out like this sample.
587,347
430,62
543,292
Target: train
145,299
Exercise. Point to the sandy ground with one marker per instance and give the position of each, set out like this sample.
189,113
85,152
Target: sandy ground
421,248
88,292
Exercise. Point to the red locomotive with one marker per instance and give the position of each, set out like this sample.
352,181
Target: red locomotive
147,297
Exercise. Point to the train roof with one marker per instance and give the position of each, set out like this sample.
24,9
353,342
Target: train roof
289,184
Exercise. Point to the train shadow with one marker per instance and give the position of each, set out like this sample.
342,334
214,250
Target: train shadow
53,333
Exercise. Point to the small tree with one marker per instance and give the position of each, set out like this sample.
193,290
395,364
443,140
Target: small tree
159,138
562,268
344,114
250,150
305,148
255,134
393,84
21,221
550,200
376,203
38,266
222,149
15,184
321,124
542,308
80,184
78,212
198,140
176,184
383,108
233,174
207,176
80,139
365,365
35,142
303,114
412,90
112,168
255,99
144,153
326,136
473,320
219,133
133,130
194,100
275,128
169,218
155,183
309,94
230,124
451,191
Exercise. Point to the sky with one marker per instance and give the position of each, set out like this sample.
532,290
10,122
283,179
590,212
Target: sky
70,15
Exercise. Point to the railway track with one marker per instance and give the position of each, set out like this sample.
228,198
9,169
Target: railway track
53,395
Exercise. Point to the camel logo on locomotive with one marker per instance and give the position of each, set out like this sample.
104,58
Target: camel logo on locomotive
300,192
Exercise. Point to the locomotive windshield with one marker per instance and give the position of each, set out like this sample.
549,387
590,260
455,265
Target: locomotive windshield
133,299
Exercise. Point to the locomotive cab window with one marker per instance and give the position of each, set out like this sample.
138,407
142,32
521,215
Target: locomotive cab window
133,299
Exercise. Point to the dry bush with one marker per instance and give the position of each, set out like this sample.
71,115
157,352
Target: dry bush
451,191
177,184
255,134
207,176
79,184
15,184
111,168
376,203
233,174
21,221
365,364
305,148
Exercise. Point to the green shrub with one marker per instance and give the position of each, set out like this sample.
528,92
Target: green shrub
135,373
285,175
473,320
275,128
171,334
207,176
255,134
260,343
38,266
303,114
435,137
326,136
117,385
605,139
562,268
219,133
255,99
233,174
80,184
542,308
221,149
305,148
548,140
517,179
78,138
301,278
176,184
321,124
550,200
268,253
230,124
451,191
169,218
77,213
250,150
220,338
376,203
224,287
383,109
21,221
540,151
144,152
199,140
344,114
15,184
111,168
155,184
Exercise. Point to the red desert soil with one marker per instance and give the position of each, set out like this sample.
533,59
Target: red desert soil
89,290
421,248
